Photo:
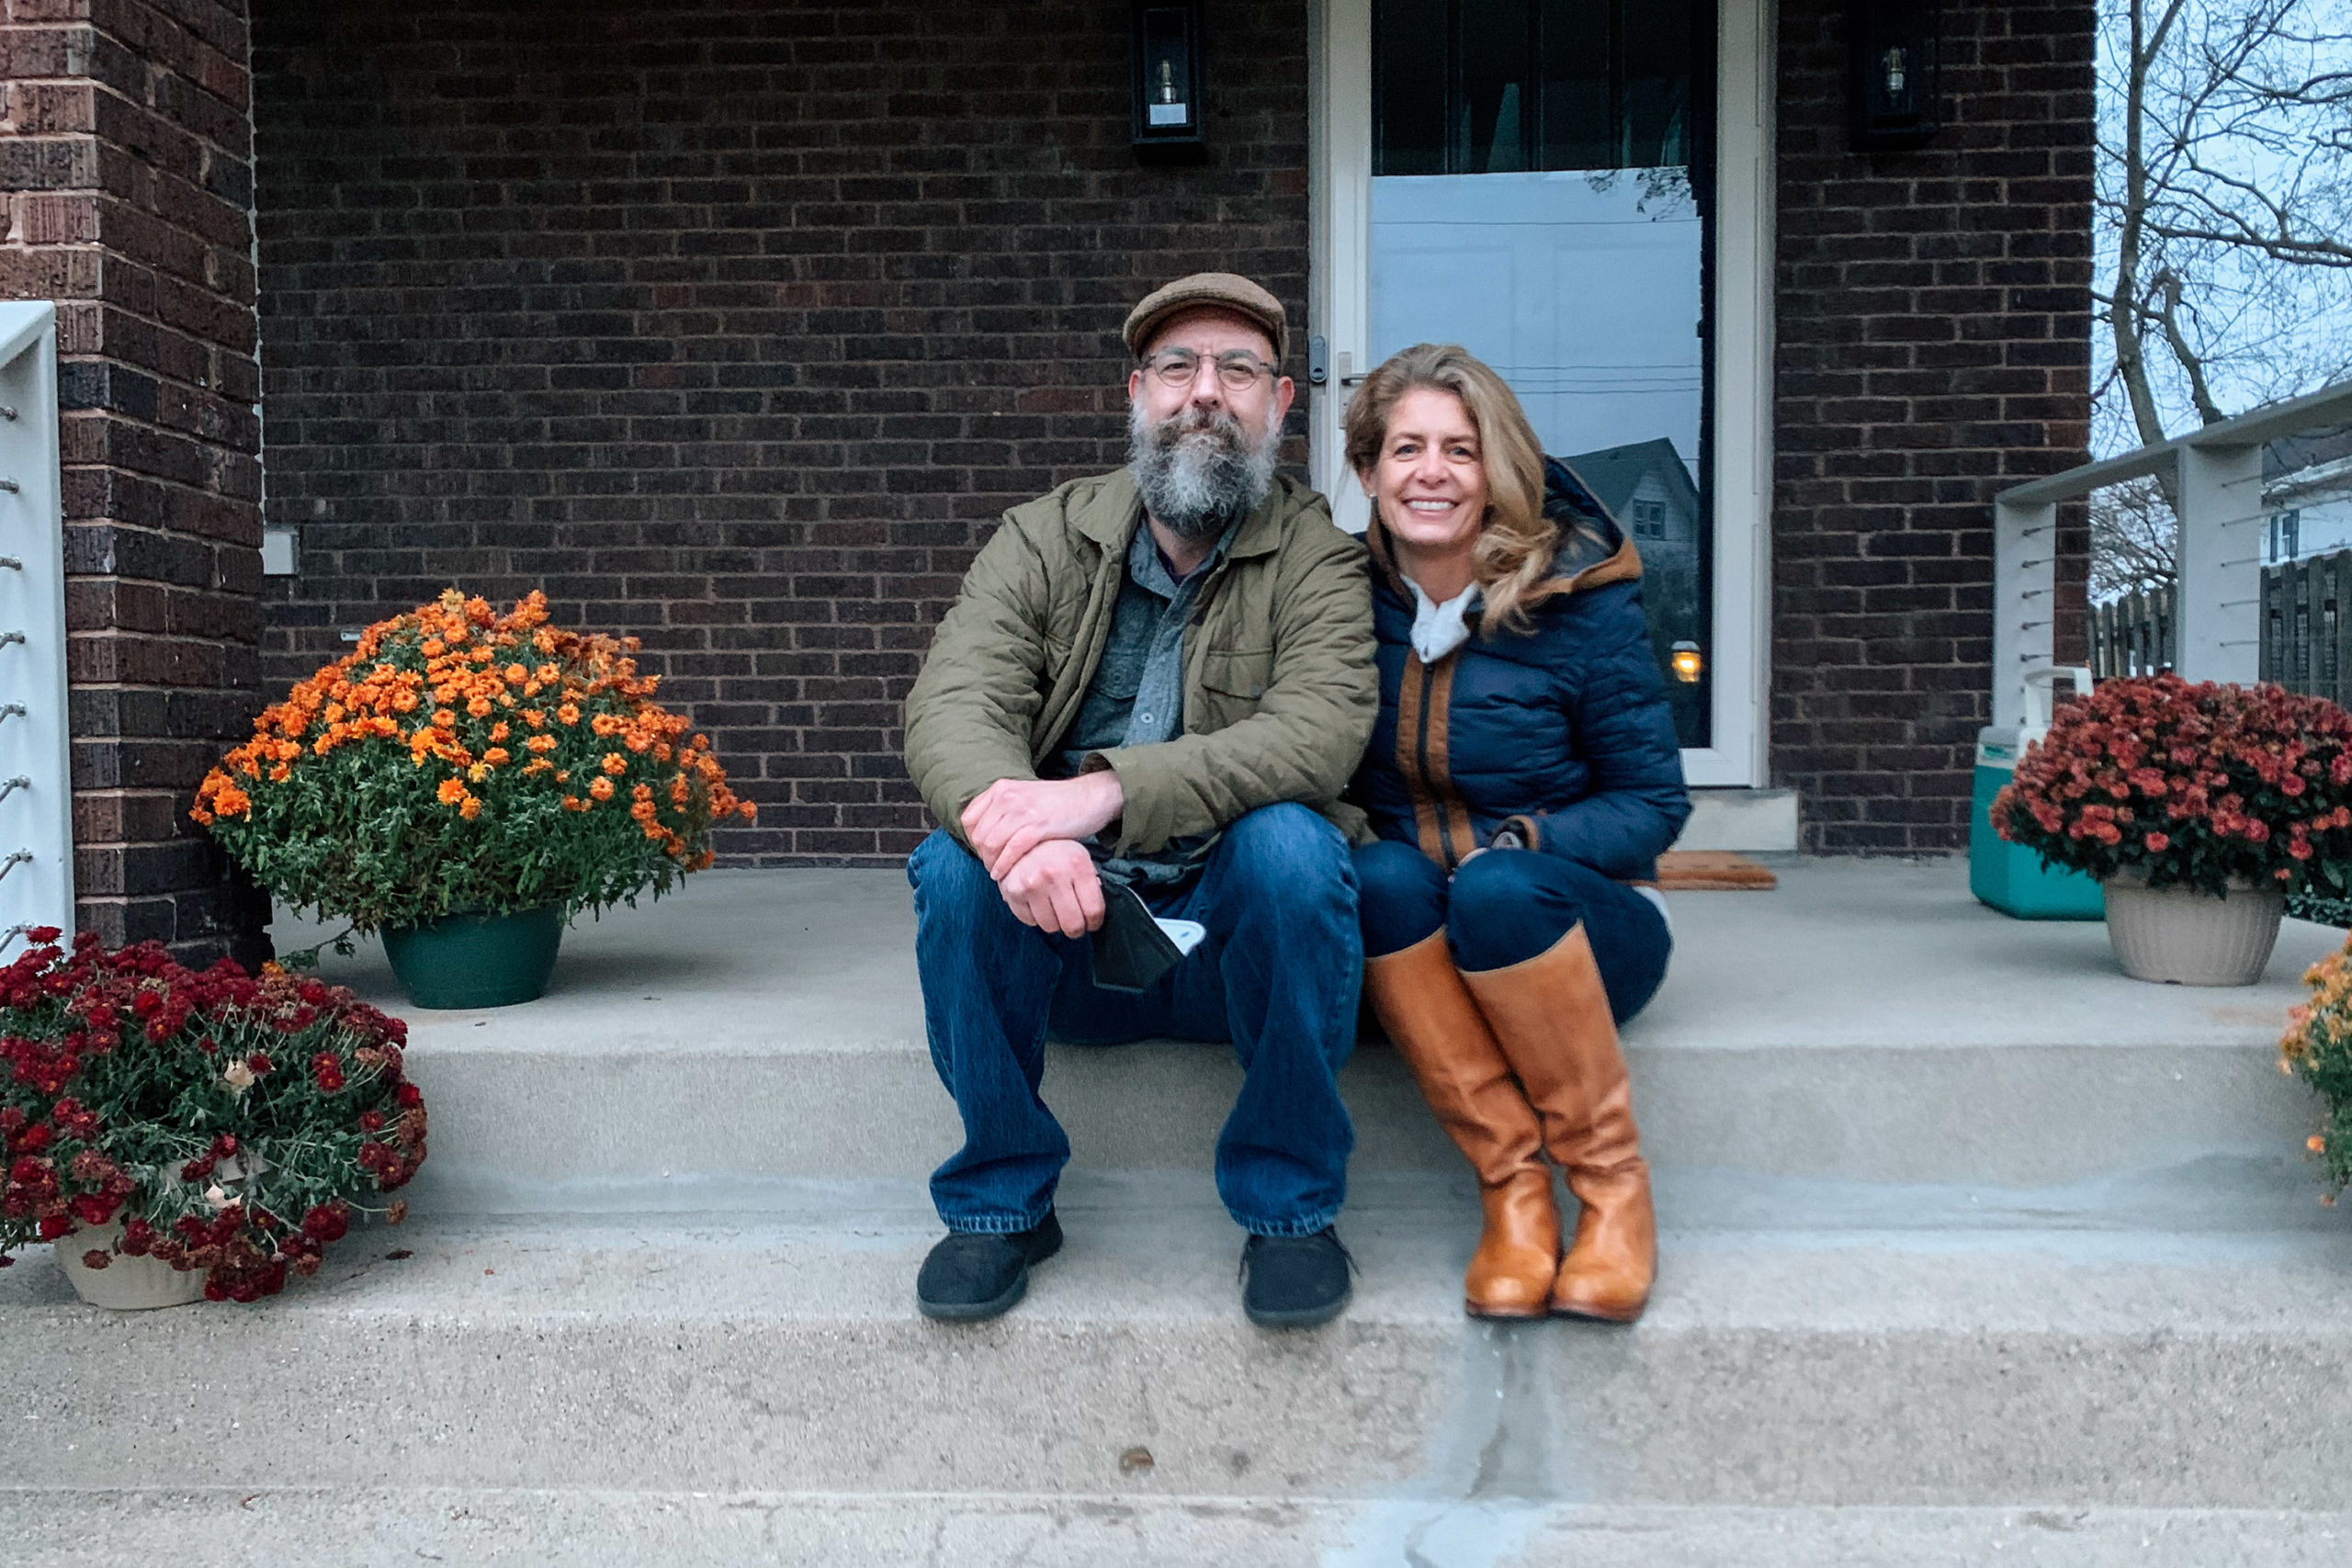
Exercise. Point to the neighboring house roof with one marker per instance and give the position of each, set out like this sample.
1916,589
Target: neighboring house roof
1615,473
2305,450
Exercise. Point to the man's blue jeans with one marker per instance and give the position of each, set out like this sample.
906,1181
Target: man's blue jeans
1278,977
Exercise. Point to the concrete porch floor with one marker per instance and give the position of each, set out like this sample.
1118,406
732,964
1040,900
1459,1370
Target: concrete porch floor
1843,952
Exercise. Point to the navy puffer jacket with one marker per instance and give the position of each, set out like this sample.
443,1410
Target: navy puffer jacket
1562,731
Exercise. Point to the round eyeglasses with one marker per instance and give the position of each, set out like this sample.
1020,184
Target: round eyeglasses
1237,372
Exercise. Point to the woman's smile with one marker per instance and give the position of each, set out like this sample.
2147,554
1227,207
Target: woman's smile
1430,484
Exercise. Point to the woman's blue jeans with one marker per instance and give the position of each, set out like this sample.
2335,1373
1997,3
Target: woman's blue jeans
1506,906
1277,978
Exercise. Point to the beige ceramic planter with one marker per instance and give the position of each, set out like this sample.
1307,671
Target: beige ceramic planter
125,1284
2183,937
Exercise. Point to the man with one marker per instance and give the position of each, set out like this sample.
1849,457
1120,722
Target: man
1158,679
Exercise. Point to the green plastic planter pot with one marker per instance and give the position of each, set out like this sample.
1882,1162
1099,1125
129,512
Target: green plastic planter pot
476,960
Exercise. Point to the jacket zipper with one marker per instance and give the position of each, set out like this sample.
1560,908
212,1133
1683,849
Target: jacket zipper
1413,758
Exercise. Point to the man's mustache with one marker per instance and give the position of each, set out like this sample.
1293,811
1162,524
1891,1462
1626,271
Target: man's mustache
1187,422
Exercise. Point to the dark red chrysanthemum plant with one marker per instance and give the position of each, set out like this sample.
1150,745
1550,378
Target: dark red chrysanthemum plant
2190,785
231,1125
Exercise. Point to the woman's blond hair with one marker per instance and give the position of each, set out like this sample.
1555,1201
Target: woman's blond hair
1516,541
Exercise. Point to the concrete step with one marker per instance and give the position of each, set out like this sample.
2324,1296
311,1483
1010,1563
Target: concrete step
1975,1252
1866,1022
236,1527
2090,1361
1752,821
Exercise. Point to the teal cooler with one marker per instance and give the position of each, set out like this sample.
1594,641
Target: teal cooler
2009,876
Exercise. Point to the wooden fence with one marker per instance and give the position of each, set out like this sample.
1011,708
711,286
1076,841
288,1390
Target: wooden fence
2307,625
2306,628
2136,635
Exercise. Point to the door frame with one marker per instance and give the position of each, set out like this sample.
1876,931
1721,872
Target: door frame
1340,311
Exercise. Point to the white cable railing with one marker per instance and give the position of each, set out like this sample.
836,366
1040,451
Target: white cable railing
2217,475
36,783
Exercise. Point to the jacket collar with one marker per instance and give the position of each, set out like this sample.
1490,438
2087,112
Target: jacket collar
1111,516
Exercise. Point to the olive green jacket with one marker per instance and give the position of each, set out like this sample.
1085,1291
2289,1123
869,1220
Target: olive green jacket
1280,693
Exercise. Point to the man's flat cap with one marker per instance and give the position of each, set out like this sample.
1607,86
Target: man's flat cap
1221,290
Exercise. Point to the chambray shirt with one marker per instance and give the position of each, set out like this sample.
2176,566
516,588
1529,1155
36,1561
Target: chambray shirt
1136,695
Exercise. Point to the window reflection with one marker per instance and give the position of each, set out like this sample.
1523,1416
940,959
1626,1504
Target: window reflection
1496,86
1544,200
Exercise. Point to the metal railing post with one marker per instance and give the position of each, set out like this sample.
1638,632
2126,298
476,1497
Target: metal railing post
2220,562
2210,623
37,806
2024,580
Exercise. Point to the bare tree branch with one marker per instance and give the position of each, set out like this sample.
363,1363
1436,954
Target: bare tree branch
2223,217
2278,247
2168,282
2132,539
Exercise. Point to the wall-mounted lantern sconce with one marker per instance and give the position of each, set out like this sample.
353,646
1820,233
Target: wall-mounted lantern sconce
1167,85
1893,44
1689,663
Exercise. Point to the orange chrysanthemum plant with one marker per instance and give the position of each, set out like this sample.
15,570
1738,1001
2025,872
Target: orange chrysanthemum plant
460,760
2318,1049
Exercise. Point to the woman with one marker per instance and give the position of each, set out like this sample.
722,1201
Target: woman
1523,778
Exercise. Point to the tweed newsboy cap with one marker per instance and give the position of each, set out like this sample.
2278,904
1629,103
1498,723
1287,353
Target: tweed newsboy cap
1223,290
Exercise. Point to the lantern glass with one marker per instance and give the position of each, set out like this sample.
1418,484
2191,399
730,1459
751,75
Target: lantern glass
1894,81
1167,83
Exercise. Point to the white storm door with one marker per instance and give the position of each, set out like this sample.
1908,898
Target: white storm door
1575,191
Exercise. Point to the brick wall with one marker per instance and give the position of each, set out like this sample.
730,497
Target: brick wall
1933,339
731,324
735,326
124,164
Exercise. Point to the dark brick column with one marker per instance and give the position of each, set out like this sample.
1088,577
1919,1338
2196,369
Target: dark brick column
125,143
1933,347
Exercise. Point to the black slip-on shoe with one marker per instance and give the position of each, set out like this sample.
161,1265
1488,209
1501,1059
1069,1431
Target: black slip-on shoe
1295,1282
970,1276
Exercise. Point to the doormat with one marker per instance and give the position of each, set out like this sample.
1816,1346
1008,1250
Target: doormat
1713,871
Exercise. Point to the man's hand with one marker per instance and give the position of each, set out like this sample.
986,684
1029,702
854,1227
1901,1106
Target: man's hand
1012,817
1054,887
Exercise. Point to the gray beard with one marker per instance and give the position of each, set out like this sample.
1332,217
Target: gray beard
1198,473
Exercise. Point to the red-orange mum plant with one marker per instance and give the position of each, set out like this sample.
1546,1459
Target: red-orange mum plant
462,761
228,1124
2196,785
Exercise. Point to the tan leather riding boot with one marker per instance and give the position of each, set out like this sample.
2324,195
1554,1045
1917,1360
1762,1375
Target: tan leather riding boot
1438,1031
1551,1017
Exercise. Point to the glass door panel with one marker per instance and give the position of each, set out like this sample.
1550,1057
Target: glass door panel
1542,197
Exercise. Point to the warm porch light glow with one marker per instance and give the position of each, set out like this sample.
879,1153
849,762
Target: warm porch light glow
1687,662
